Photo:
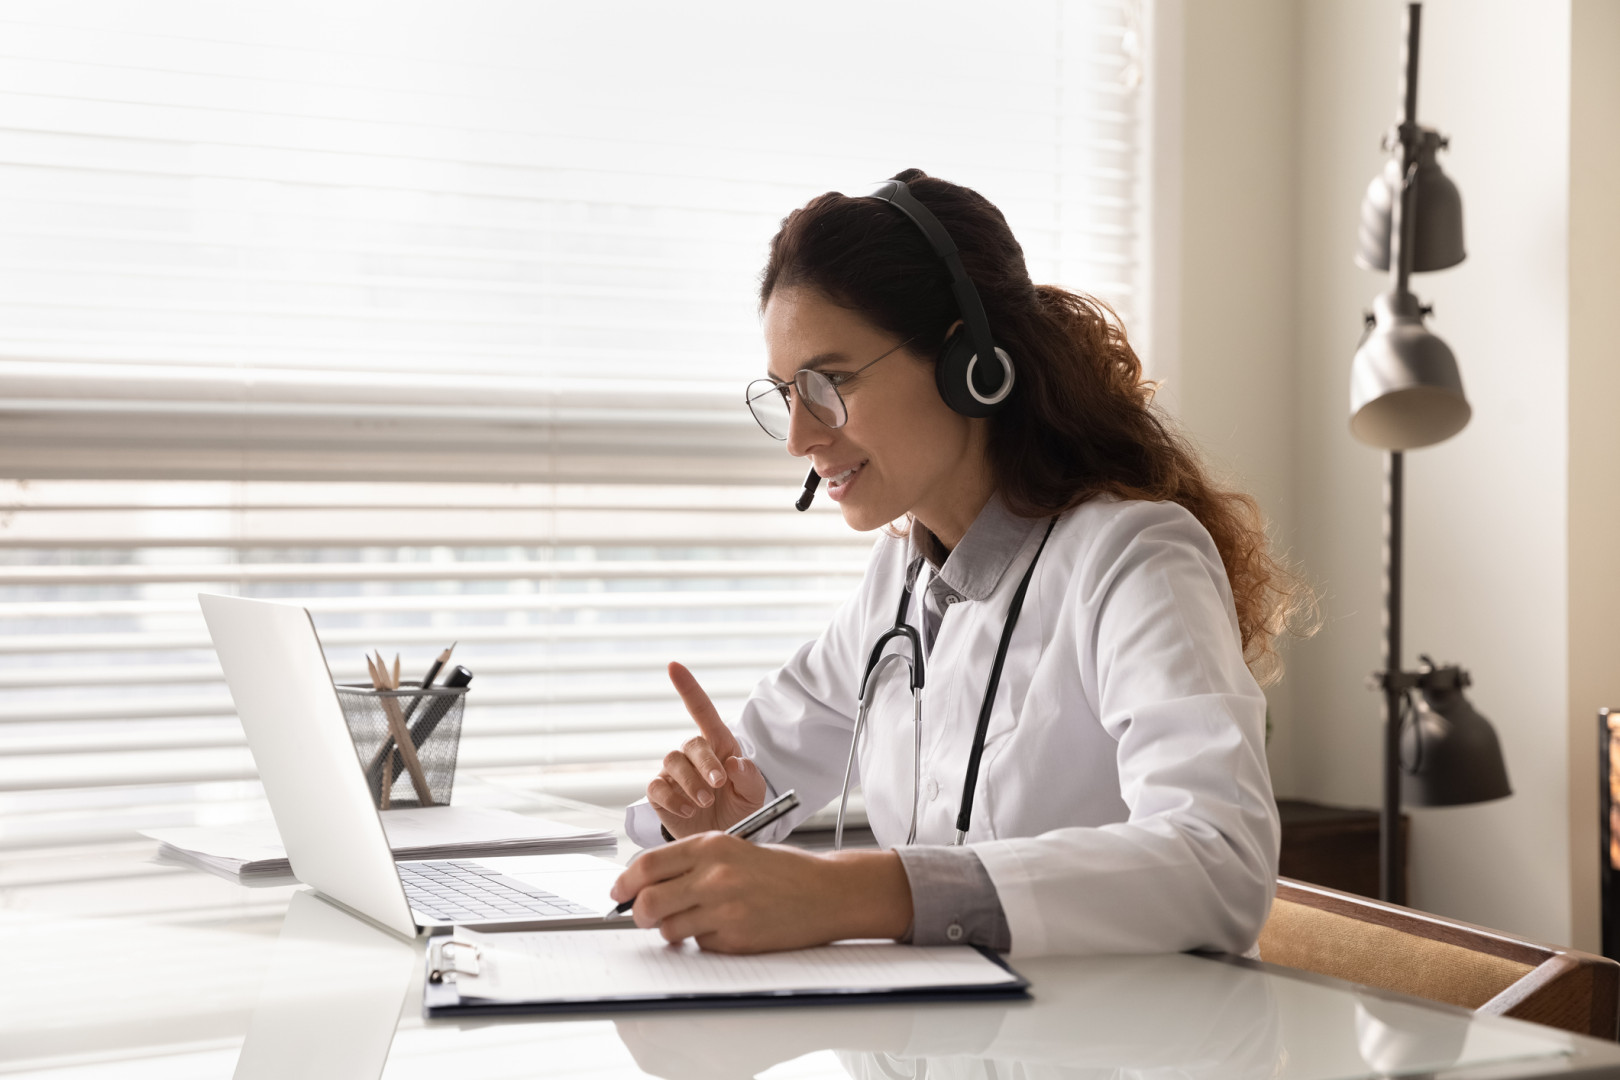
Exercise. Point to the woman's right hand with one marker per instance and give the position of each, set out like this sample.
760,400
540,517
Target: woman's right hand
706,784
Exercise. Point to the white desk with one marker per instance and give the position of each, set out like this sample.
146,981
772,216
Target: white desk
120,968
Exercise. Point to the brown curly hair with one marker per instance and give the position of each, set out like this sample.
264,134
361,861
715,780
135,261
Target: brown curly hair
1081,420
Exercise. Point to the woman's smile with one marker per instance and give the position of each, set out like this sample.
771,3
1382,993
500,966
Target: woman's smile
838,483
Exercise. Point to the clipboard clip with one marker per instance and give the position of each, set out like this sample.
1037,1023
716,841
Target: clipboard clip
449,958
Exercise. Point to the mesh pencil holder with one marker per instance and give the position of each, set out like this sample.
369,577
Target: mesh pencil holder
431,717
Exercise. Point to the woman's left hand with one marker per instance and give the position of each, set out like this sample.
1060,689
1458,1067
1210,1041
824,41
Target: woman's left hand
730,895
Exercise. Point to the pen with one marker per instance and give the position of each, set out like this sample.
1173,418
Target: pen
423,725
787,802
427,680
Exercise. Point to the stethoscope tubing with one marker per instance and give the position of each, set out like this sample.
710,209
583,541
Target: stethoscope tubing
879,660
916,675
868,693
982,729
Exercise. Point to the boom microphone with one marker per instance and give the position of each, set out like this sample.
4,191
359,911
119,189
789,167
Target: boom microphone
811,482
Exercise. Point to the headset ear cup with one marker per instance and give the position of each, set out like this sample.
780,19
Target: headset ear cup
956,367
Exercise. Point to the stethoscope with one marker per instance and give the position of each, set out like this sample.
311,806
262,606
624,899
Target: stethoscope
881,660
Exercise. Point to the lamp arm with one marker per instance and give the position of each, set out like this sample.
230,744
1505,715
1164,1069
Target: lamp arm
1403,233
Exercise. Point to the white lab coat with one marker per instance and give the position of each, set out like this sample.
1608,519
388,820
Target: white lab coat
1124,802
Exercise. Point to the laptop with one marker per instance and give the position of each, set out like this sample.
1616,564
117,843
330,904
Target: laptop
316,787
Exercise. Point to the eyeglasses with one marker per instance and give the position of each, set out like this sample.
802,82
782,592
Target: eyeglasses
771,405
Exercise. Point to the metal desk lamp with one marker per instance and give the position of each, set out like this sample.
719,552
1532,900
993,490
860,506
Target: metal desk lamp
1405,393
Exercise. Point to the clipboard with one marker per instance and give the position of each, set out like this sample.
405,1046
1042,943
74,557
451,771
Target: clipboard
448,959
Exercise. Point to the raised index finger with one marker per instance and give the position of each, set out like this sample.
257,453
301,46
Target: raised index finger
702,710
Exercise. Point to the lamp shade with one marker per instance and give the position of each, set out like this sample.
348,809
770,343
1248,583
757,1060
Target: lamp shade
1405,389
1450,754
1436,204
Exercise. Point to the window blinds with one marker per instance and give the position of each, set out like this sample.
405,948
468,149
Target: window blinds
435,318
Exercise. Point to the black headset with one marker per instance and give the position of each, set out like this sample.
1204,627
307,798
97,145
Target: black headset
965,385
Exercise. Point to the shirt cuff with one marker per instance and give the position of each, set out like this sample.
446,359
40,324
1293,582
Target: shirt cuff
953,900
645,830
641,824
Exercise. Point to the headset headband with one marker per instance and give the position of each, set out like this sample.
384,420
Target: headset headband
899,196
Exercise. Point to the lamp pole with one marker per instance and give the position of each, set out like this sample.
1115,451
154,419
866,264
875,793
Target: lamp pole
1392,879
1406,392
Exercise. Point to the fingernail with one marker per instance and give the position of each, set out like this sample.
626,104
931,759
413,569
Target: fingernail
687,811
717,778
704,798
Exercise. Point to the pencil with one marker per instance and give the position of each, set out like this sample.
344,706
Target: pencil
402,736
385,784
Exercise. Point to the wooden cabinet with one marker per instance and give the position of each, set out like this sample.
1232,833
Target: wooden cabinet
1334,846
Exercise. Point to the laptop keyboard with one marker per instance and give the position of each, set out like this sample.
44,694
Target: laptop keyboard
467,892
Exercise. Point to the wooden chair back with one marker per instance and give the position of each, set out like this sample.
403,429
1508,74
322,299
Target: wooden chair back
1397,948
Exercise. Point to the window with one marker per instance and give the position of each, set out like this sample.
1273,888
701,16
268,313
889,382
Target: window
435,318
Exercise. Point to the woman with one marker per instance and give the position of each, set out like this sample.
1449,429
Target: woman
1122,802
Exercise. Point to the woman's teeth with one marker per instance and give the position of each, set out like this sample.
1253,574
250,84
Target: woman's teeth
843,476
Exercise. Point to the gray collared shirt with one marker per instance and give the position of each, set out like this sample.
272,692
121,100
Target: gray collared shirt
970,572
954,902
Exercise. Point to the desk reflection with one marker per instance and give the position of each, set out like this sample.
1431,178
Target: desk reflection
331,1001
1397,1037
1116,1016
337,987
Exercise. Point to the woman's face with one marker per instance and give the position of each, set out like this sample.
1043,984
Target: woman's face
902,450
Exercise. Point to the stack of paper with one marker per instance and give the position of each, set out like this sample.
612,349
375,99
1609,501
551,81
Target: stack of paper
433,832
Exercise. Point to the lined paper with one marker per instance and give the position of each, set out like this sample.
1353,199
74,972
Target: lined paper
590,964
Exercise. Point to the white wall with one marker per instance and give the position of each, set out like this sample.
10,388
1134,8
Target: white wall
1282,106
1224,223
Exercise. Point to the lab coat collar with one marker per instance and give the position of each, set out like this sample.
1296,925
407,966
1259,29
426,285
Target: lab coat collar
988,548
